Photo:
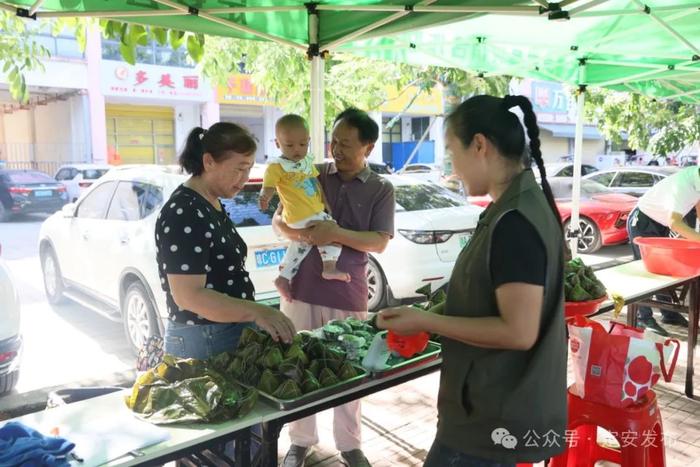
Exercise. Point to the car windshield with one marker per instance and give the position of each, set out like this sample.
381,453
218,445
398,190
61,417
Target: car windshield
563,190
29,177
424,197
379,168
243,209
93,174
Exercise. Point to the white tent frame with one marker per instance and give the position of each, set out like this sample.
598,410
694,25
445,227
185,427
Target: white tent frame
317,51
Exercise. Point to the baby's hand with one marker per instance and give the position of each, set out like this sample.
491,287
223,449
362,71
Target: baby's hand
264,203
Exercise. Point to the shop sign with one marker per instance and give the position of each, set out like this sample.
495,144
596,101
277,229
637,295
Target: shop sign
153,82
399,101
240,89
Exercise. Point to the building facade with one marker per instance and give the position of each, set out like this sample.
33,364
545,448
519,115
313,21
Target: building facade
92,107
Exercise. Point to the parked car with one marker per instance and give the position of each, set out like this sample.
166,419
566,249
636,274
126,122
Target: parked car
29,191
564,169
380,168
603,213
426,172
10,337
634,181
688,161
78,177
100,251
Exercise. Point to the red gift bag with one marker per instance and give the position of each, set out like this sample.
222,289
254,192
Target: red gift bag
617,366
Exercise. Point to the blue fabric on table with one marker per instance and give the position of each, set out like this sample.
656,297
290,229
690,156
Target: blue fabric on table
23,446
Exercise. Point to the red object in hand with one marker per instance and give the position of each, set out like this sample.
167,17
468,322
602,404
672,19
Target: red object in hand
407,346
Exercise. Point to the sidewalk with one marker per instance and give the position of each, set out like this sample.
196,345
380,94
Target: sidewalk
398,425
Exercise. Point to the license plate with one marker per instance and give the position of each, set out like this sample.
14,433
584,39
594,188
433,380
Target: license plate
268,258
43,193
464,240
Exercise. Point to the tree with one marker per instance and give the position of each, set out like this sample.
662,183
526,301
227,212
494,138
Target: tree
19,54
657,126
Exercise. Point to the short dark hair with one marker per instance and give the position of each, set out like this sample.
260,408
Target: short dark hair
367,128
291,121
219,139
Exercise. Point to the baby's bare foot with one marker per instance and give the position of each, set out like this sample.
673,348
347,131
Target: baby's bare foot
335,275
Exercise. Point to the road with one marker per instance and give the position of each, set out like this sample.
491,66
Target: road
69,343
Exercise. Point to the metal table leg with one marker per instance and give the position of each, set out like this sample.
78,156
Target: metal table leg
270,436
694,315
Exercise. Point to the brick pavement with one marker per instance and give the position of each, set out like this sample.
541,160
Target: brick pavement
399,424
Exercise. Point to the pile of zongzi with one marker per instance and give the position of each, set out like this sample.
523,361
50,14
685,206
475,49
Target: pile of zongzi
580,282
285,371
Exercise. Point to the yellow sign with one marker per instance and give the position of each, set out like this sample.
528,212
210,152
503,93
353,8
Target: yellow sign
425,104
240,90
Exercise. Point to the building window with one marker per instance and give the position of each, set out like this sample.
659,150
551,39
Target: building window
151,54
62,46
419,126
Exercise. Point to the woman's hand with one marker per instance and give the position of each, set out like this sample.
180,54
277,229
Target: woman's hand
276,324
321,233
404,320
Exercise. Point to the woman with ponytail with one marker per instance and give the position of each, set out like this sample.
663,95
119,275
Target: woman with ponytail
201,257
502,398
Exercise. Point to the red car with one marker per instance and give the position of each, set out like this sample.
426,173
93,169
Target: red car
603,213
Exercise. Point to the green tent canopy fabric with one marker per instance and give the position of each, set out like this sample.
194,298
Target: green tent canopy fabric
652,49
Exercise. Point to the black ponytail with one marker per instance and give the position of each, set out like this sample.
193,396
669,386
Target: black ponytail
491,117
220,140
533,133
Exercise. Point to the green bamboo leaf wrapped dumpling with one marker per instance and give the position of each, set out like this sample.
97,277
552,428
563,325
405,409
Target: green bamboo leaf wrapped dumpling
327,378
251,377
347,371
295,351
288,390
315,368
248,336
273,358
237,367
310,383
268,382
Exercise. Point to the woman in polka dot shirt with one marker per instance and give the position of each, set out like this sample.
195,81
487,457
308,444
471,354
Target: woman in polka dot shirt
201,257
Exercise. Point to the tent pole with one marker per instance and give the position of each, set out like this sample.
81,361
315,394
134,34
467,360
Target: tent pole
317,98
574,232
668,27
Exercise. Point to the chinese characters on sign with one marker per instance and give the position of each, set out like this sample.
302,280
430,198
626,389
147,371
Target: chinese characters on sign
119,79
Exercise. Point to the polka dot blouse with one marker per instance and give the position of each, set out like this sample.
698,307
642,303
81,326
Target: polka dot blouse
194,238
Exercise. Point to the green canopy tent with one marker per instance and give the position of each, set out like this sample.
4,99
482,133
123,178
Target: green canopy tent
622,44
652,48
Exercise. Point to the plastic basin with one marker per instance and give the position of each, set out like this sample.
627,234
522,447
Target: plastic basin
670,256
586,308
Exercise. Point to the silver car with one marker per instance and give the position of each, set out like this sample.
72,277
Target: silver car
633,181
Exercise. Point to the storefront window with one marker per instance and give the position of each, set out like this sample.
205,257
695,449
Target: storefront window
151,54
142,140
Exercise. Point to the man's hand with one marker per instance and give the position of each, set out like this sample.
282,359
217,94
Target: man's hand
321,233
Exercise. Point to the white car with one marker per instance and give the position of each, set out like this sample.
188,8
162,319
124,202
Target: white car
633,181
100,252
425,172
10,338
564,169
79,177
432,225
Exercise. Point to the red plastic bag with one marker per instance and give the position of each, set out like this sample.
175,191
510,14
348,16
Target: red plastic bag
617,366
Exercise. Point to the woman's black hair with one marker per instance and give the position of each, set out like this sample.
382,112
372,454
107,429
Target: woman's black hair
219,140
491,116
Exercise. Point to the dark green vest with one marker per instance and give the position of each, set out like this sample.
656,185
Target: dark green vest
523,392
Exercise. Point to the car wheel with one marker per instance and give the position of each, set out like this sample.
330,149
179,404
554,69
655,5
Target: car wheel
376,286
590,240
139,316
53,280
8,381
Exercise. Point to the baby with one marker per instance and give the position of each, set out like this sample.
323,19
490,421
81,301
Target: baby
293,177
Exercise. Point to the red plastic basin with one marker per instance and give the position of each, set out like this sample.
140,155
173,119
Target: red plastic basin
670,256
586,308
